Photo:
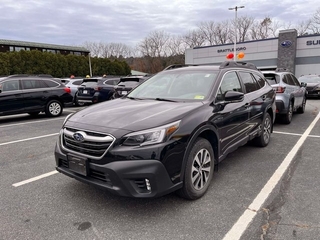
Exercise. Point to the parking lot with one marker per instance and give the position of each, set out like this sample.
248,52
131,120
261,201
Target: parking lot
257,193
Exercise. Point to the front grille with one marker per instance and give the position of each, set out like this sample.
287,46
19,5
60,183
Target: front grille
310,88
93,145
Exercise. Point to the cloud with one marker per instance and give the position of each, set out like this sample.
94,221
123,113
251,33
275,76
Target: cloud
73,22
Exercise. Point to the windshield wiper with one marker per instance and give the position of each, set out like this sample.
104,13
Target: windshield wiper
134,98
165,100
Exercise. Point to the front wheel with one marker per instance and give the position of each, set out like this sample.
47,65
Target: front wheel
199,170
264,139
53,108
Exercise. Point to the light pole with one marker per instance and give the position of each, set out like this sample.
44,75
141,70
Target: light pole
235,30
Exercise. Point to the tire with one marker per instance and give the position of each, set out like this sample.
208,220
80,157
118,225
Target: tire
33,114
303,106
54,108
76,103
264,139
199,170
288,116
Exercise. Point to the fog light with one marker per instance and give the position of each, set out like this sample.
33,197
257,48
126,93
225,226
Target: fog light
148,184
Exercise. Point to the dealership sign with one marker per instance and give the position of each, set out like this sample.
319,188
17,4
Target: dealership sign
226,50
313,42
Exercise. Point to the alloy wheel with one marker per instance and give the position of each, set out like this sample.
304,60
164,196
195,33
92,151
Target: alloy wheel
54,108
201,168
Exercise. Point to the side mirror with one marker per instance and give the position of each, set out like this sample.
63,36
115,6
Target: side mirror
303,84
230,97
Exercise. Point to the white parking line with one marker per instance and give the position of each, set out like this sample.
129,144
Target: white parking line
17,124
295,134
28,139
245,219
34,179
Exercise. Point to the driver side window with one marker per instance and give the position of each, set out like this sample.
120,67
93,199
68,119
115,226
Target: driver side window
230,82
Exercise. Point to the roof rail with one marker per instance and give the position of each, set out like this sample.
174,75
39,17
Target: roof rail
173,66
30,75
230,64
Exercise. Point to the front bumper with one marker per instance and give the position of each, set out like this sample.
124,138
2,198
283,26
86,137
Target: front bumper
125,178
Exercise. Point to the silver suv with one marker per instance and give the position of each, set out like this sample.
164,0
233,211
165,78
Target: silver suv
290,93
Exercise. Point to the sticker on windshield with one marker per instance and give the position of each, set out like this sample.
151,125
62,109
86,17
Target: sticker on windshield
207,75
199,97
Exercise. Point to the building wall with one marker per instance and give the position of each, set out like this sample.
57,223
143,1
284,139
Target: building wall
301,57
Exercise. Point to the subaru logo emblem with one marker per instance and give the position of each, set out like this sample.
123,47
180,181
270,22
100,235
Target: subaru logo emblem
286,43
78,136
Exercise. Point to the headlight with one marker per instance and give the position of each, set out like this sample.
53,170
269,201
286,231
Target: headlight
151,136
317,88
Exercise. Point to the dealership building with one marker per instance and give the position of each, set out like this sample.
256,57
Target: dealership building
298,54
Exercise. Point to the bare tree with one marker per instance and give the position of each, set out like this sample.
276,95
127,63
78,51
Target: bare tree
315,22
223,33
155,44
207,30
243,25
193,39
303,27
95,49
262,30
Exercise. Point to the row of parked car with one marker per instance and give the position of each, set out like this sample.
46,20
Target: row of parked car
99,89
42,93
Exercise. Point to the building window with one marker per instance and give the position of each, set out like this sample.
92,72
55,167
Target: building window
77,53
11,48
18,49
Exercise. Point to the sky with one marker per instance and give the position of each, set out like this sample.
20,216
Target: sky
74,22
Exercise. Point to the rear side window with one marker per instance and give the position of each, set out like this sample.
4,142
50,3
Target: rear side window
51,83
33,84
78,82
11,85
249,82
288,80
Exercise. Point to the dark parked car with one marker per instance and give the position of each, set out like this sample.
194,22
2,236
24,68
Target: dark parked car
126,84
33,94
313,84
169,132
94,90
291,94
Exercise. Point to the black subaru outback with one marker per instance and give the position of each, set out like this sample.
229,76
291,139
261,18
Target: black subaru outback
33,94
168,133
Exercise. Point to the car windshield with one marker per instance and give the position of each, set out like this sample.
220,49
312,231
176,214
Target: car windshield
310,79
176,85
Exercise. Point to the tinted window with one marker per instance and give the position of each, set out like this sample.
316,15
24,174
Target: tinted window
11,85
91,83
261,81
51,83
112,82
78,82
33,84
230,82
287,79
249,82
272,78
295,80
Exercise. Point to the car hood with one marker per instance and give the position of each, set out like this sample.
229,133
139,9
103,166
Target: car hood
131,115
313,84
